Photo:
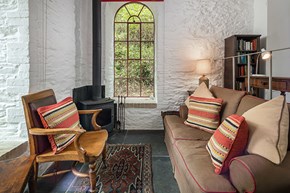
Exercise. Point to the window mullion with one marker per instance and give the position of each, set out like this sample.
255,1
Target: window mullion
127,78
140,80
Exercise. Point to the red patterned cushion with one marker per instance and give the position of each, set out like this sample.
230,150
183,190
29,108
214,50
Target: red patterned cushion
204,113
228,141
61,115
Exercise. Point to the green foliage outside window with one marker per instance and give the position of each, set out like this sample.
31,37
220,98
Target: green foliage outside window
134,51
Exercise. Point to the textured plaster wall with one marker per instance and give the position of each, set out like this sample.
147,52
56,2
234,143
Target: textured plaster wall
14,68
53,46
185,31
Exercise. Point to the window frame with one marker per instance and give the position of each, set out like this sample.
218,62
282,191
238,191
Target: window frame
127,59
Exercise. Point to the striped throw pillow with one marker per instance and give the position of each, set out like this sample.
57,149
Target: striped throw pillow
61,115
229,141
204,113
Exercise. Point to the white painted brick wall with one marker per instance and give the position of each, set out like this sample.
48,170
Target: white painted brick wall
186,30
14,68
53,46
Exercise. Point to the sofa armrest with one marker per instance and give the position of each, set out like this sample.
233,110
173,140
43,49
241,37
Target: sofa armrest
253,173
183,112
164,113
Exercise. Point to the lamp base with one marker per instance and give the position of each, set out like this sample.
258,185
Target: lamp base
205,80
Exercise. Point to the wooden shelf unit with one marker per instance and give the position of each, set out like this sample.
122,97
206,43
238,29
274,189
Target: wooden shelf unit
238,45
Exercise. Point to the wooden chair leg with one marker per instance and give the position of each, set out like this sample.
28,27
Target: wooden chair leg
92,176
31,182
35,172
104,154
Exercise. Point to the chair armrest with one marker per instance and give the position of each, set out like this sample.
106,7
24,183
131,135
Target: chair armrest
95,113
253,173
183,112
42,131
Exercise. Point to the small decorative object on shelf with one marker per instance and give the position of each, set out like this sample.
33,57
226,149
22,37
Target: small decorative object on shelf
239,45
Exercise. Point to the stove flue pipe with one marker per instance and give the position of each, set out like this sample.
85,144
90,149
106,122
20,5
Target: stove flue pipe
97,49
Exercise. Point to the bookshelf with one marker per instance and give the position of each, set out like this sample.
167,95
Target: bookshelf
238,45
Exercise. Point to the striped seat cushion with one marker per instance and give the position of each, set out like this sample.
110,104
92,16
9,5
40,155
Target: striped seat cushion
228,141
204,113
61,115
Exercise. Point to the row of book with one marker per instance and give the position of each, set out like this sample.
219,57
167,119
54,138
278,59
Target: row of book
247,45
244,59
240,85
243,70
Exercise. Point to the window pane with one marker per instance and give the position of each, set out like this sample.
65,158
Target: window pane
134,69
146,15
134,50
134,19
134,32
133,87
134,8
147,32
120,50
147,50
122,15
147,87
121,32
120,69
147,70
120,87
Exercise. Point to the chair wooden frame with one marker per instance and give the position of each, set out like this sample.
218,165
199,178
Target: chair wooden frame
78,153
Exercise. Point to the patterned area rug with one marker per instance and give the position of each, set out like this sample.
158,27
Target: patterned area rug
129,170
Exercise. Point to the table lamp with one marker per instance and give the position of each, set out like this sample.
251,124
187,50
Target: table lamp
203,68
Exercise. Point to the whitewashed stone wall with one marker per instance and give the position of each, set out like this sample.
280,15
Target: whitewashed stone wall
53,46
186,30
14,68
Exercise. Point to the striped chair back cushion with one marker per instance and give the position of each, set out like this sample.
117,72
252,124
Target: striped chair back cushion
60,115
204,113
228,141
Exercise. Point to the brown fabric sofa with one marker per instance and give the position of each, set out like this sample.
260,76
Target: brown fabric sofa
192,165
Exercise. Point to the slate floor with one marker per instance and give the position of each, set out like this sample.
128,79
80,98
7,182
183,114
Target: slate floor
163,179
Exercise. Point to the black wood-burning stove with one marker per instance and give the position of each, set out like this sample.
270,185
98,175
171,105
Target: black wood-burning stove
93,96
84,99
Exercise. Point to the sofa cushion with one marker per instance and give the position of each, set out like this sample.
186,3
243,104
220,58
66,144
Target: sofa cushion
229,141
249,102
204,113
231,100
61,115
193,161
269,127
178,131
201,91
253,173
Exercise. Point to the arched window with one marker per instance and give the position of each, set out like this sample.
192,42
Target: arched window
134,55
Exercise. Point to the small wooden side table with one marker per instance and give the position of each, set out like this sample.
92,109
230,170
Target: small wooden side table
15,173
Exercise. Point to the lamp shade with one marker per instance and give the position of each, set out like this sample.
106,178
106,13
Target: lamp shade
203,67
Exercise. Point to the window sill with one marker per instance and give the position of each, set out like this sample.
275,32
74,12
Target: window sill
139,103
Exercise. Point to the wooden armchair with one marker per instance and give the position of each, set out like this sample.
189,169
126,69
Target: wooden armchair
87,146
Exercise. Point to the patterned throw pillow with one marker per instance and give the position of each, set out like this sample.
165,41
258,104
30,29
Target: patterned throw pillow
200,91
229,141
61,115
204,113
